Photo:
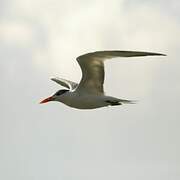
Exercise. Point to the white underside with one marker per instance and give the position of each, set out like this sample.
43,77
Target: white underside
85,101
75,100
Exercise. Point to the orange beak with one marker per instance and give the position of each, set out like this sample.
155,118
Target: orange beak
46,100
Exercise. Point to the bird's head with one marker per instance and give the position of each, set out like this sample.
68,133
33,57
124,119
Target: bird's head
55,97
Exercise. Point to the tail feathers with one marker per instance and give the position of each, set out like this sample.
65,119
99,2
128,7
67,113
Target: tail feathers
120,102
124,101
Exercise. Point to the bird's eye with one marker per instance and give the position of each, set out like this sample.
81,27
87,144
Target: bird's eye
60,92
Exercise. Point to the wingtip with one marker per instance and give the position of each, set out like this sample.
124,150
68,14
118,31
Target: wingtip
158,54
53,78
163,54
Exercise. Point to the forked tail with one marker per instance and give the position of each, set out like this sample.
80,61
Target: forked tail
124,101
120,102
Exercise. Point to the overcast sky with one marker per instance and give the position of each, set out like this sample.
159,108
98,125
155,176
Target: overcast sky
40,39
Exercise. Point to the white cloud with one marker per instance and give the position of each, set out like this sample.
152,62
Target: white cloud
20,34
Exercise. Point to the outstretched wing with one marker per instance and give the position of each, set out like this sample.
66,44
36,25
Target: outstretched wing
66,83
92,66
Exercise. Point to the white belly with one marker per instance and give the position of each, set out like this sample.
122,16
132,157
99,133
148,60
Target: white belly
83,101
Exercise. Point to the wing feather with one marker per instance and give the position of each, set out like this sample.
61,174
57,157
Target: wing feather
66,83
92,66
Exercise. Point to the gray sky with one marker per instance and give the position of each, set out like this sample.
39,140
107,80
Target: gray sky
40,39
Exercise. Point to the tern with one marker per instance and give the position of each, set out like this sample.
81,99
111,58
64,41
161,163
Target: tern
89,93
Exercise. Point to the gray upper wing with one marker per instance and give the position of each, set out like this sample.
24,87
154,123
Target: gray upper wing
92,66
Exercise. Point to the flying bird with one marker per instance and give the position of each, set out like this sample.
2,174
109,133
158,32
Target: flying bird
89,93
